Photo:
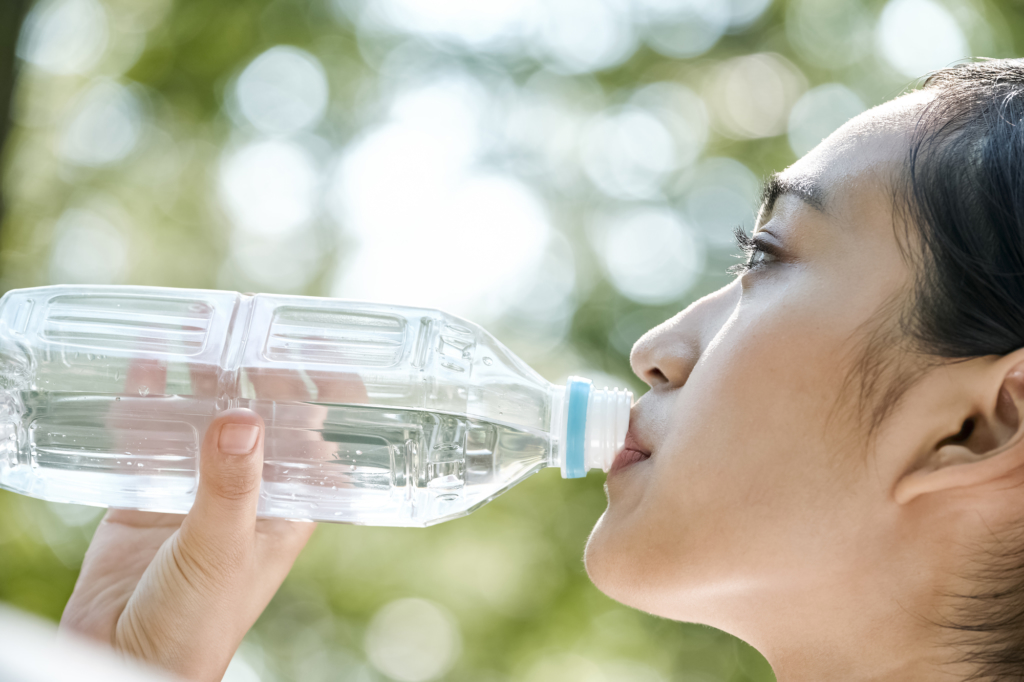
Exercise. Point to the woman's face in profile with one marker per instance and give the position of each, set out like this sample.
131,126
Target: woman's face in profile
762,483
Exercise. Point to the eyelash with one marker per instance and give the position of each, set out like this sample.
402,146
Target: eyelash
750,247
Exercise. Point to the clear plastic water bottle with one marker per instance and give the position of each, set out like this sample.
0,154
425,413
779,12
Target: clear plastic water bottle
375,414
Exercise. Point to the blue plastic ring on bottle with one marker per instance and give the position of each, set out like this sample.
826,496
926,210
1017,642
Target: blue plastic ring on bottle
576,429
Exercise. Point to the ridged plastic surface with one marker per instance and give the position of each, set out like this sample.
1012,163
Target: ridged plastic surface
375,414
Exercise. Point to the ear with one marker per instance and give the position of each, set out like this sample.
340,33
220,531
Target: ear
990,442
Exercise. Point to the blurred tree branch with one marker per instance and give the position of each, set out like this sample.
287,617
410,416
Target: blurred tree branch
12,13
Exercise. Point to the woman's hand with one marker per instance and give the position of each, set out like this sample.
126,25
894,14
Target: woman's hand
180,592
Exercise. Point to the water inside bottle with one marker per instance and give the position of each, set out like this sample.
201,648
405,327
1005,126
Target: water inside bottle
323,461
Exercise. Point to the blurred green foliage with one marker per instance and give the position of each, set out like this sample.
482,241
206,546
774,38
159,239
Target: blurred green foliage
511,574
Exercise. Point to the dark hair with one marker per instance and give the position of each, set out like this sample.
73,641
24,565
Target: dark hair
963,195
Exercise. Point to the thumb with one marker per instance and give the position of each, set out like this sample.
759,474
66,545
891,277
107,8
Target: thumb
223,516
196,600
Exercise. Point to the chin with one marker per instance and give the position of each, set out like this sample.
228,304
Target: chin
611,560
635,568
599,558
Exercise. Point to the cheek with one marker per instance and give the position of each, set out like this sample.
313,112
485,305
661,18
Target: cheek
742,464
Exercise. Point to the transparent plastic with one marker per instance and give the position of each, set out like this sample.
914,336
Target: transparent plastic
375,414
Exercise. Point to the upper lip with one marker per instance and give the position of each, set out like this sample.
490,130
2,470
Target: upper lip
632,441
632,445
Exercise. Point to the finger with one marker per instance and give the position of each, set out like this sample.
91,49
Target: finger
133,518
204,380
122,548
222,520
146,376
293,423
278,543
346,387
279,385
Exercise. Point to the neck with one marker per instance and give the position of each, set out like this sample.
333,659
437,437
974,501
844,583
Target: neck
874,657
852,637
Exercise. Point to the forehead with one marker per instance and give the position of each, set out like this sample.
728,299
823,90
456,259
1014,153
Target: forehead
864,155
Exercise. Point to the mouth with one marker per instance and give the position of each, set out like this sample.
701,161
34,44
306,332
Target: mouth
631,453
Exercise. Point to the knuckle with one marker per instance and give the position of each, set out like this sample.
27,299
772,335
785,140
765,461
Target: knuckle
204,565
131,636
235,483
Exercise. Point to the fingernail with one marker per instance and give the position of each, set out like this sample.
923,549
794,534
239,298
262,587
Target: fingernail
238,439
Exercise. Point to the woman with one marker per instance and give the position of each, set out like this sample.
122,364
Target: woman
829,463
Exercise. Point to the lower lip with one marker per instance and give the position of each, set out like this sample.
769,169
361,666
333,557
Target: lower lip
626,458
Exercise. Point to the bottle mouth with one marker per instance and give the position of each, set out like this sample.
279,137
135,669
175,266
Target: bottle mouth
592,425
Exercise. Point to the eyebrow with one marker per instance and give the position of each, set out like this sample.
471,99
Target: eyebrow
805,189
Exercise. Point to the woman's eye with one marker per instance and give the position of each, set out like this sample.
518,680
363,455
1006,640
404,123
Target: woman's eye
759,256
756,253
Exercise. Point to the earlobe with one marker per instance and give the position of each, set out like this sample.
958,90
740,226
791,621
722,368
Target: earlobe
989,445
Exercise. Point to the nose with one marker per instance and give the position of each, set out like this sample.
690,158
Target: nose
665,356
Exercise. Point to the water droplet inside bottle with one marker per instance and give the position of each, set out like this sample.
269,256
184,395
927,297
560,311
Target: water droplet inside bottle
143,391
488,362
117,398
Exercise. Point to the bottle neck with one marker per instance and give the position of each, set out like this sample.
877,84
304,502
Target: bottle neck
588,426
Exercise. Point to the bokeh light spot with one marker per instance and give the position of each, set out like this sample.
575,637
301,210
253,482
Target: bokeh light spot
827,32
683,114
918,36
480,25
721,195
751,95
283,91
651,255
64,36
104,126
277,263
540,303
627,153
683,28
579,36
820,111
743,13
87,249
569,36
413,640
432,226
270,187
